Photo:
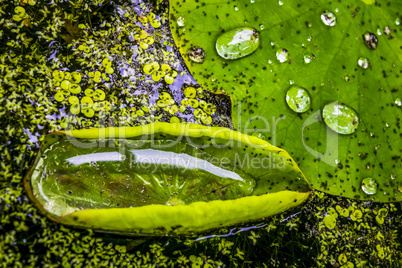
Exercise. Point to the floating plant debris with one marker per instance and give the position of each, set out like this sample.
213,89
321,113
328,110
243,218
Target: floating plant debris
340,118
162,178
298,99
237,43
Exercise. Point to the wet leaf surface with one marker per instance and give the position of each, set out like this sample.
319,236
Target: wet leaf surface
302,44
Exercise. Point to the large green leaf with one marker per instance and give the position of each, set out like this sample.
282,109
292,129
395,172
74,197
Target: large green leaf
257,83
162,178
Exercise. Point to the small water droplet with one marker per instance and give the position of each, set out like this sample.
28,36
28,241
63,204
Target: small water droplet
336,10
369,186
340,118
363,62
393,176
372,134
387,30
400,187
379,32
280,3
196,54
252,1
181,21
272,44
387,125
298,99
328,18
309,38
236,8
398,21
291,82
237,43
347,78
370,40
398,102
259,135
282,55
262,26
307,58
269,61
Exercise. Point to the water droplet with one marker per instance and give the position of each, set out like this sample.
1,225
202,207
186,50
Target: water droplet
372,134
369,186
400,187
398,21
282,55
336,10
398,102
328,18
379,32
259,135
237,43
307,58
371,40
280,3
309,38
393,176
252,1
269,61
347,78
181,21
298,99
262,26
387,125
291,82
196,54
272,44
340,118
387,30
363,62
236,8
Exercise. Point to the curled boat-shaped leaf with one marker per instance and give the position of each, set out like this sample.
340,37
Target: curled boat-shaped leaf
162,179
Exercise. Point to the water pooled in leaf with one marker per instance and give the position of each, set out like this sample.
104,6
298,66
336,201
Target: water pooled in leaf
237,43
282,55
363,62
370,40
181,21
369,186
398,102
340,118
196,54
328,18
298,99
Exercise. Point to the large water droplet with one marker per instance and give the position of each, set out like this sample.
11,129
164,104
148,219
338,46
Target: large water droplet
369,186
328,18
398,102
307,58
371,40
282,55
237,43
363,62
196,54
340,118
181,21
298,99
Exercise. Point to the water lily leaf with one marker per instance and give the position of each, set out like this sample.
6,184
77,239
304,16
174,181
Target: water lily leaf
162,179
328,48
